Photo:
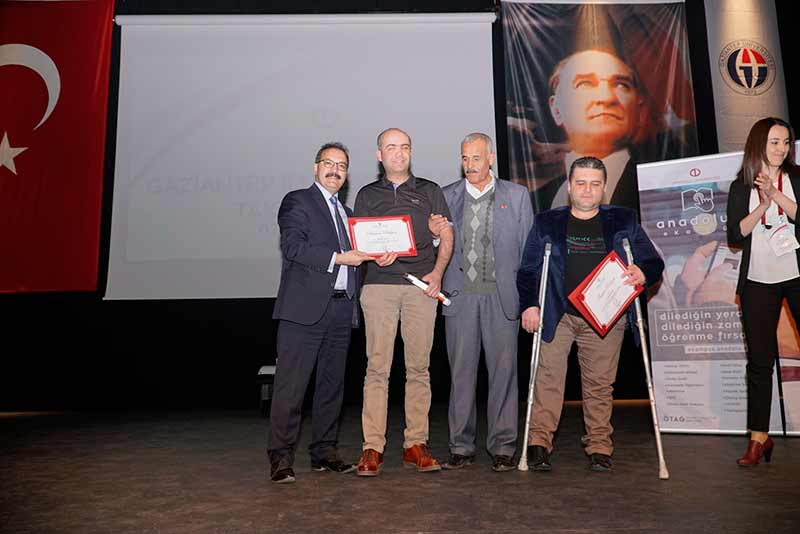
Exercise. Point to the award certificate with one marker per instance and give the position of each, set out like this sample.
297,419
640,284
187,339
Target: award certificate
378,235
603,296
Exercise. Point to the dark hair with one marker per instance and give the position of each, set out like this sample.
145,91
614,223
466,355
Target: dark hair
755,149
588,162
333,144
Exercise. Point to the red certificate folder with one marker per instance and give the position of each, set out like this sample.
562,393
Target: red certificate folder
411,249
577,297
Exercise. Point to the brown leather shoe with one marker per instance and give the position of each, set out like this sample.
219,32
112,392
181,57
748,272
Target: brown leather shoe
419,458
370,464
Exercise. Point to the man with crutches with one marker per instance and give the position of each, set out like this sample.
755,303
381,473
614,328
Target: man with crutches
580,237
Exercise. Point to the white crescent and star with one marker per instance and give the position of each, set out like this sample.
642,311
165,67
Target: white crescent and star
7,154
40,63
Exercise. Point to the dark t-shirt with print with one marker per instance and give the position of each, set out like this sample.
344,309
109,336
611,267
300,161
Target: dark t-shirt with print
585,250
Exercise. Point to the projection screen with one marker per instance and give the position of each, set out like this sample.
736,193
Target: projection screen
220,116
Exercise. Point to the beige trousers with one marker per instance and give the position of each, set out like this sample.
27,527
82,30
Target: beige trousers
384,305
598,358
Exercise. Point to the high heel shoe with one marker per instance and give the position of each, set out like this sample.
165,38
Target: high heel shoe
755,451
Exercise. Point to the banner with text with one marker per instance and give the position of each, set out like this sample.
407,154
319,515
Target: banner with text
696,339
746,67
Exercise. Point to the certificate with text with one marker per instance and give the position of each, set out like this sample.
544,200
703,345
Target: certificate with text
603,296
378,235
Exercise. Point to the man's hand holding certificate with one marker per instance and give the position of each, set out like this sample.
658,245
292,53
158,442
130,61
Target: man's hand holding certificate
606,293
378,235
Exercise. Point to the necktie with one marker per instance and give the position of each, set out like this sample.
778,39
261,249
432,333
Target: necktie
344,246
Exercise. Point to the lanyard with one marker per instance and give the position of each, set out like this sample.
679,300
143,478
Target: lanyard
780,209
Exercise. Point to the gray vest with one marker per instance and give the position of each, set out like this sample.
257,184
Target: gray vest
478,255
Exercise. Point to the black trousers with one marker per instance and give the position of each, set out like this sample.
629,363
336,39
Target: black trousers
761,308
300,348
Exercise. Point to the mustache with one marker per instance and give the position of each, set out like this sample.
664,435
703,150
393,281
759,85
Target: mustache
333,175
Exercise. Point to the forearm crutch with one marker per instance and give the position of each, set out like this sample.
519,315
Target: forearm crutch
537,344
663,474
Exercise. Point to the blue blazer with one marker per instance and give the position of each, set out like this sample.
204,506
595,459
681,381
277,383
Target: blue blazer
308,239
551,226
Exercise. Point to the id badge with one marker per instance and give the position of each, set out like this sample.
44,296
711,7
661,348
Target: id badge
782,240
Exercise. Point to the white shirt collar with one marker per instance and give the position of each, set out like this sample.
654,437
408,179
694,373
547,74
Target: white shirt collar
476,193
326,193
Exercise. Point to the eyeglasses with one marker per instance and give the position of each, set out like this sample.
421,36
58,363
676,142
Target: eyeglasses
329,164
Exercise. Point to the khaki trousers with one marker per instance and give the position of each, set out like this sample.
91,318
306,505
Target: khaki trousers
598,358
384,305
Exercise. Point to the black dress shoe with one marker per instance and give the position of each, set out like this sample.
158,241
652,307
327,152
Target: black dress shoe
538,458
501,463
334,464
600,462
458,461
281,472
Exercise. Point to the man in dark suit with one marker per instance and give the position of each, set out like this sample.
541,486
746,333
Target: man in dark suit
316,306
581,235
491,220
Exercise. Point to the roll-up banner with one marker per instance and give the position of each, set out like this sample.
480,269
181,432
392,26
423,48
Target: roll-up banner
746,67
606,80
696,338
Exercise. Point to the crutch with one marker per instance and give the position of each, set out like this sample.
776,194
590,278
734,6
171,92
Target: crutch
537,344
663,474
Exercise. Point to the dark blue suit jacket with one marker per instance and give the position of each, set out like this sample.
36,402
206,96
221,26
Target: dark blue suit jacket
308,238
551,226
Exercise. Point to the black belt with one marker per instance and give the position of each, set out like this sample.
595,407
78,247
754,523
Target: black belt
339,294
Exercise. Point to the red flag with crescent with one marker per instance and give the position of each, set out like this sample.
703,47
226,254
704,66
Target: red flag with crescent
54,68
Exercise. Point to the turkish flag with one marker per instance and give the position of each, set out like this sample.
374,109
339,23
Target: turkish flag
54,67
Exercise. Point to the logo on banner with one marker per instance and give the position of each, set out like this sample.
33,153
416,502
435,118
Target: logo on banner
40,63
747,67
701,198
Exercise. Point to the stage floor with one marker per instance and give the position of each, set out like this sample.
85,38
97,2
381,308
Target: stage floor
207,472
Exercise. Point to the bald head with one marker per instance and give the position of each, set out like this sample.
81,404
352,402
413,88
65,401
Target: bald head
394,153
392,130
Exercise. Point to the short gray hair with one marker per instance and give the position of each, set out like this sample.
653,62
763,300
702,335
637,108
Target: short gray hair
475,136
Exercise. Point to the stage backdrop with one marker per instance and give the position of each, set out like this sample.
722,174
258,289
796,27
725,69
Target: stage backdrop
605,80
221,116
696,338
746,67
54,64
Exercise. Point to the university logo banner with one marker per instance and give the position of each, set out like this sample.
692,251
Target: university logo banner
746,67
54,66
606,80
